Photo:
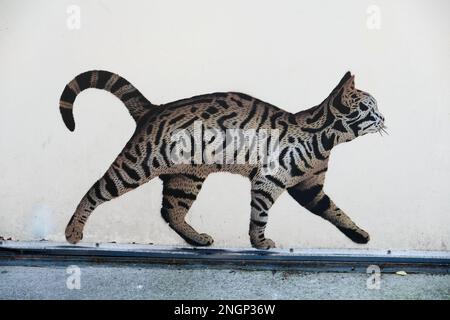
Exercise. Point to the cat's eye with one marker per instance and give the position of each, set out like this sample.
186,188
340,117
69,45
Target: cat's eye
363,107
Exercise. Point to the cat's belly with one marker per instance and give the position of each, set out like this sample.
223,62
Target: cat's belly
203,170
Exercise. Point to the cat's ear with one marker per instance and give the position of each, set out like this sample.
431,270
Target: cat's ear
344,89
347,82
350,84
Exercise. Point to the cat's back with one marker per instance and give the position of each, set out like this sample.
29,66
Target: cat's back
225,100
219,109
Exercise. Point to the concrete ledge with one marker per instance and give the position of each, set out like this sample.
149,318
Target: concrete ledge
324,260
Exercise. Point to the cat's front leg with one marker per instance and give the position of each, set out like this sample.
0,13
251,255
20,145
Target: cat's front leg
264,193
326,208
312,197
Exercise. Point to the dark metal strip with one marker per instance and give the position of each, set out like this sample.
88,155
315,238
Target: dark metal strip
244,259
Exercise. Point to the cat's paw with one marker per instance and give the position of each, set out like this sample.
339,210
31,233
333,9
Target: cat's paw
356,235
204,240
264,244
197,239
73,234
361,236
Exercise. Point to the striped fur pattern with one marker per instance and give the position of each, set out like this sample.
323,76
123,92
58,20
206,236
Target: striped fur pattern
306,139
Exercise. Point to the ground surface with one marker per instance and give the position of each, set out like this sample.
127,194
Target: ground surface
165,282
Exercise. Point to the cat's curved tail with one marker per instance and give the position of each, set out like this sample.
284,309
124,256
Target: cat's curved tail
135,102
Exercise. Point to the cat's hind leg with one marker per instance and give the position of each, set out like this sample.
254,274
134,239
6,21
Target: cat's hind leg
122,176
179,192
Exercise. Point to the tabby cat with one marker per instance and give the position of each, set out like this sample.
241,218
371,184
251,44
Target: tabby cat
305,141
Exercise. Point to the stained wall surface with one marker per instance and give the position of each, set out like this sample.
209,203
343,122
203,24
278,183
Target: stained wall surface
290,54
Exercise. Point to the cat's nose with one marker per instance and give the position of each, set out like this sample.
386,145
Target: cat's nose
380,116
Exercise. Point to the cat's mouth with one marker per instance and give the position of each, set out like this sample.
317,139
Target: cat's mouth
375,127
382,129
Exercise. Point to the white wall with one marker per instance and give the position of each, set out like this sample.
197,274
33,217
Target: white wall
289,53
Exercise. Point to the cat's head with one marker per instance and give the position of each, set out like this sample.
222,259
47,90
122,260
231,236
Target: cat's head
357,110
